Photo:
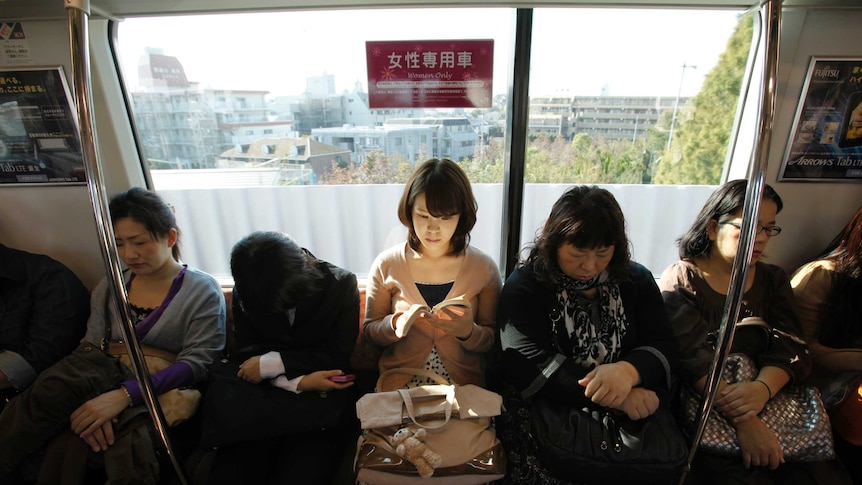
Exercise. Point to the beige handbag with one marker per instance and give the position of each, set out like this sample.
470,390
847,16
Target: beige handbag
456,420
177,405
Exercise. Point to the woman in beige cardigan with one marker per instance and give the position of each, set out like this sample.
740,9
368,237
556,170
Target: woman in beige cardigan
435,264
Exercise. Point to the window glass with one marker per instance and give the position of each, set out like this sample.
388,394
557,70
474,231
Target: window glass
261,122
647,98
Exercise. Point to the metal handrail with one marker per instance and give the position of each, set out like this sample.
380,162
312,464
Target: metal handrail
78,11
771,10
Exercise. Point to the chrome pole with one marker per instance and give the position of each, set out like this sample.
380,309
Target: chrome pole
770,12
78,11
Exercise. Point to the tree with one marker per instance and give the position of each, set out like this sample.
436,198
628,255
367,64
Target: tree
377,168
699,146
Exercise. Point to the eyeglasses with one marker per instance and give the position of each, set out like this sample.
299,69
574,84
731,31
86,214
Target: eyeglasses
770,230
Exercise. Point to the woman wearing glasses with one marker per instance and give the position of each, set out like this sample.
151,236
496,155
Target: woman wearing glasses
694,290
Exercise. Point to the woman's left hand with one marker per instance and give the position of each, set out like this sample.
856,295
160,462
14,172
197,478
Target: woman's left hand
250,370
743,399
610,384
92,421
455,321
639,404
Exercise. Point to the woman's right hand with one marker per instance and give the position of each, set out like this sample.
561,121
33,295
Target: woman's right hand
319,381
609,384
759,445
93,420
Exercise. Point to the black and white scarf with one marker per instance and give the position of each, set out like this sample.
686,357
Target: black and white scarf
575,332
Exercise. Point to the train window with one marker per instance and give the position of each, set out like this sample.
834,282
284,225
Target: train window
642,103
268,112
261,121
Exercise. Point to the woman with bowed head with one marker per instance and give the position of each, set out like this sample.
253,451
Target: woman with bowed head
93,396
582,326
436,263
295,322
829,295
695,290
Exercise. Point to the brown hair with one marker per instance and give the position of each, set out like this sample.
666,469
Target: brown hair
447,193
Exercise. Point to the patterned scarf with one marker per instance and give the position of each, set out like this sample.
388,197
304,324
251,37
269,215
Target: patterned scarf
573,329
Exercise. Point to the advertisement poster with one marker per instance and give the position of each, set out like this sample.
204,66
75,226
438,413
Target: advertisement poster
826,139
14,48
39,140
430,73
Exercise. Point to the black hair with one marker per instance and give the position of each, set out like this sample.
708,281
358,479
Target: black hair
149,209
271,273
725,200
586,217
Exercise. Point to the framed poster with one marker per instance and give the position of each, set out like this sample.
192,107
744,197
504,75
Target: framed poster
430,73
39,138
826,138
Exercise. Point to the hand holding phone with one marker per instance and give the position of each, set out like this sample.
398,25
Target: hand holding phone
343,378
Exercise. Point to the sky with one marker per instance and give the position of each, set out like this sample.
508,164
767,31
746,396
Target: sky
575,51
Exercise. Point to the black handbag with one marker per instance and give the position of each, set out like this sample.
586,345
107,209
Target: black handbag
593,444
235,410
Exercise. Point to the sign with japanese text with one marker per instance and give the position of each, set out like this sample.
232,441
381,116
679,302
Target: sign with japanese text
39,139
826,138
430,73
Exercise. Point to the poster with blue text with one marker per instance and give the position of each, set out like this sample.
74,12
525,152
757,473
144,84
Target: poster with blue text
39,140
826,139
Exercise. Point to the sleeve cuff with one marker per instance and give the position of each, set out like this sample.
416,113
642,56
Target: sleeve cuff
287,384
271,365
542,378
19,372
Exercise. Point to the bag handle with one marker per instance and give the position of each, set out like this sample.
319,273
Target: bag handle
408,405
413,372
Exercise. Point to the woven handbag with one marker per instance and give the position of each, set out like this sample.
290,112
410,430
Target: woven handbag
456,420
796,415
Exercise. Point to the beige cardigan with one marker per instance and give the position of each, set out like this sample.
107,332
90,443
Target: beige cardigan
391,290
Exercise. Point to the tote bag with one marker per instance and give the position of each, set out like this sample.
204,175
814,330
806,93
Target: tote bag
456,420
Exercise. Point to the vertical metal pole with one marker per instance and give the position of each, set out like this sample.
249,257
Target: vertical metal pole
771,10
516,141
78,11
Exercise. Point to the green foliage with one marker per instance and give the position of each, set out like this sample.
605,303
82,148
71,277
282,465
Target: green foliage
699,146
377,168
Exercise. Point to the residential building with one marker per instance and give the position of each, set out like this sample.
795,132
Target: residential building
300,160
405,137
620,117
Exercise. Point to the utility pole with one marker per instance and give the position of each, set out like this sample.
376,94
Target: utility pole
676,104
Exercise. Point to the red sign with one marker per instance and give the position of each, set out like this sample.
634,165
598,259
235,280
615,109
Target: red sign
430,73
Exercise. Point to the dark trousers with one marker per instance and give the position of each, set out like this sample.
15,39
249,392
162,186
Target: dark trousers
708,468
312,458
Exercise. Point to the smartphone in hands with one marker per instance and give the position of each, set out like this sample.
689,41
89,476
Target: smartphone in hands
343,378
